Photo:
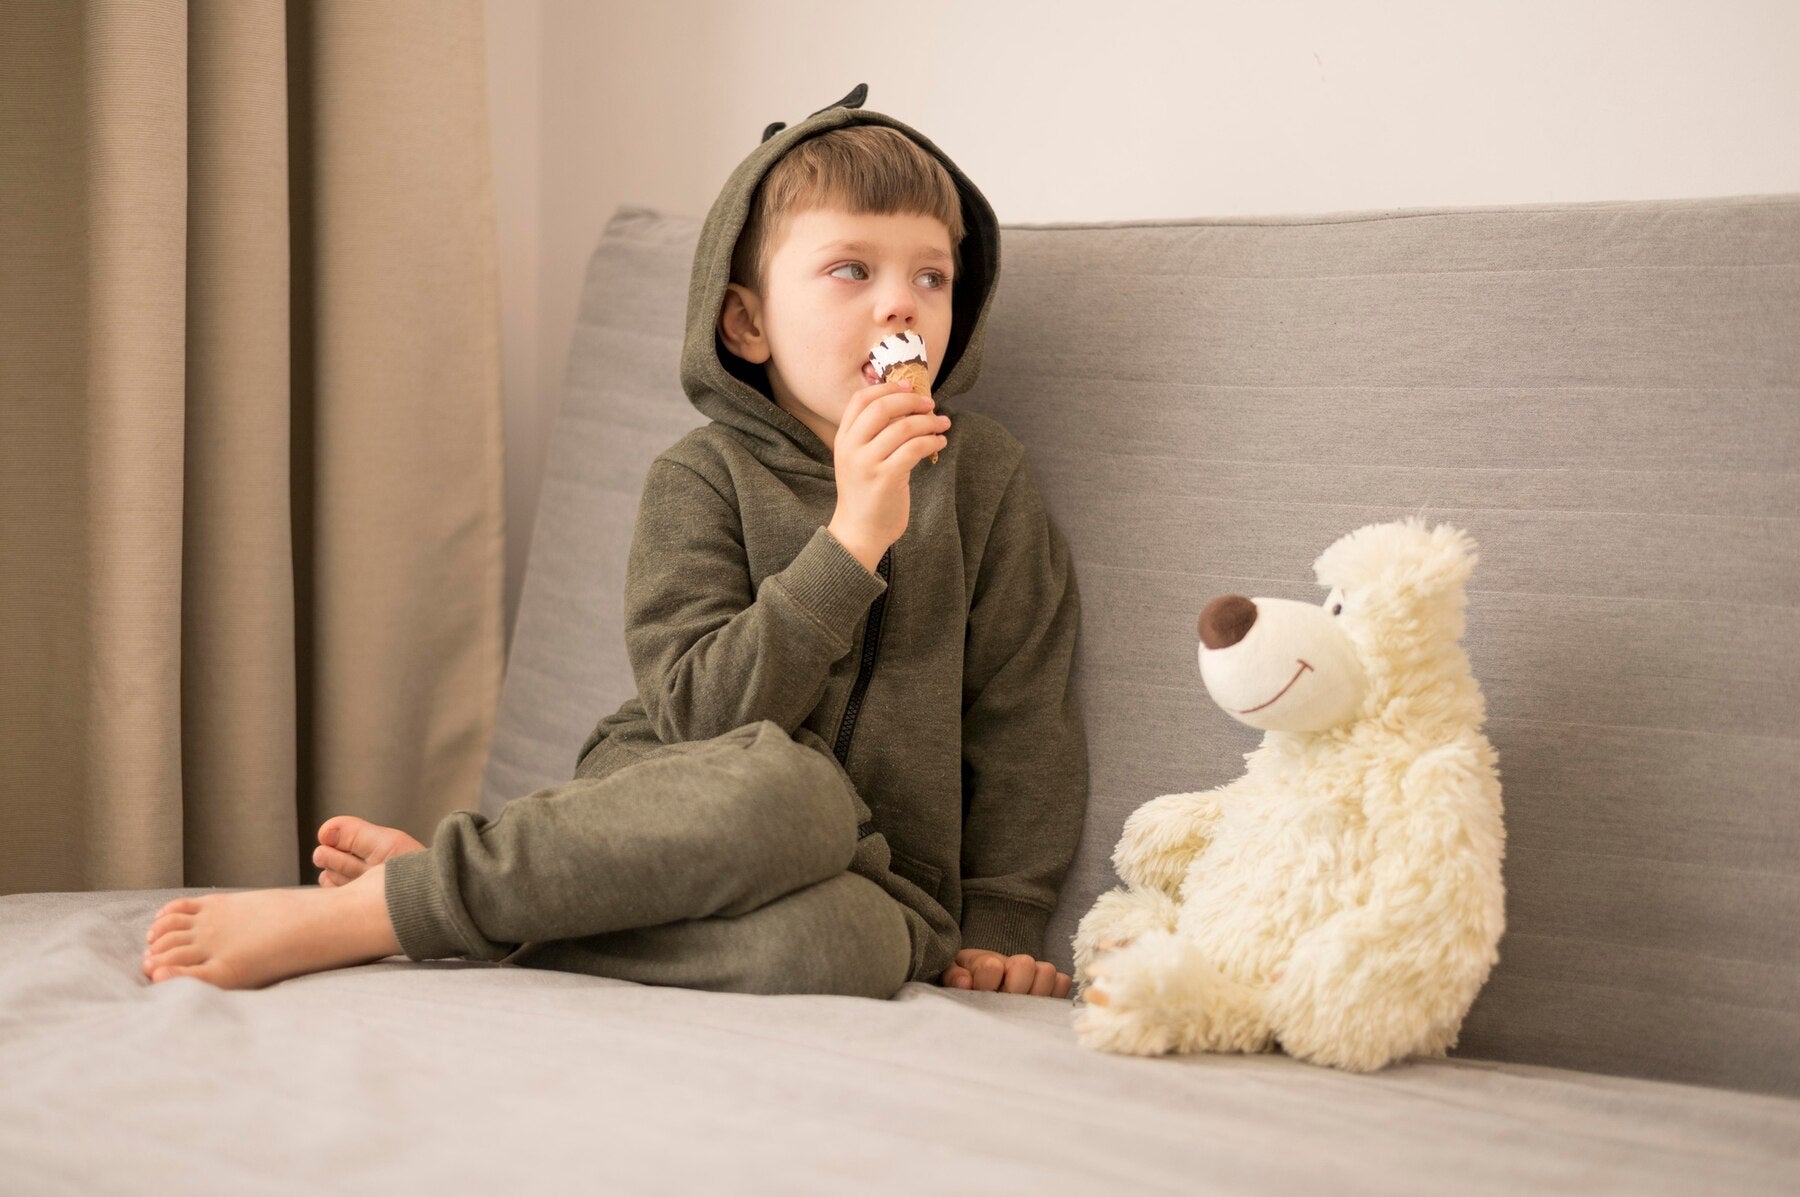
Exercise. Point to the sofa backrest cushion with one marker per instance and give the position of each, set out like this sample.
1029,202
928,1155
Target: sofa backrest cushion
1605,395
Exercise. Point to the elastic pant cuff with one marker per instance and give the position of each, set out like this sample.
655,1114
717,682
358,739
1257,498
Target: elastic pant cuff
416,908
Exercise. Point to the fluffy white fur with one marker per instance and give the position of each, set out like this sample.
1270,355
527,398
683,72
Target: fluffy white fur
1343,899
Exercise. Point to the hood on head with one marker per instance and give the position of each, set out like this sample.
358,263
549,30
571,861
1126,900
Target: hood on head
734,392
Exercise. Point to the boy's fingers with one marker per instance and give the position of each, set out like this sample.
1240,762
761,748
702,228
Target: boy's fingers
988,970
858,402
881,415
1028,975
919,447
926,446
1021,974
915,433
868,395
879,412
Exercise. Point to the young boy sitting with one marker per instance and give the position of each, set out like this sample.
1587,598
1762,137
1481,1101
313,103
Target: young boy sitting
855,758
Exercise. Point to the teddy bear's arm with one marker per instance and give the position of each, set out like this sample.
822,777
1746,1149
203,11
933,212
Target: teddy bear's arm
1162,837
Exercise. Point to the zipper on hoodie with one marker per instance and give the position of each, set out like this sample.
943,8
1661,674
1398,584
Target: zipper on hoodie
871,642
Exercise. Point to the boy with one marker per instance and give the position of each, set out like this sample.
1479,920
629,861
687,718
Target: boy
855,757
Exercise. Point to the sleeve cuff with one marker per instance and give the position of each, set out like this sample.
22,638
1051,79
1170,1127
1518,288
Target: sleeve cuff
1004,926
831,585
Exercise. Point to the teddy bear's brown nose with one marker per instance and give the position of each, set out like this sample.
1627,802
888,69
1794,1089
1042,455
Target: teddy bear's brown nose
1226,620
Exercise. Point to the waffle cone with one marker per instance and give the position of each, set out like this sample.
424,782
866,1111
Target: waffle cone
915,373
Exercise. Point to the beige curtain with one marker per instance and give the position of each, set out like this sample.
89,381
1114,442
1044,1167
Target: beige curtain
250,433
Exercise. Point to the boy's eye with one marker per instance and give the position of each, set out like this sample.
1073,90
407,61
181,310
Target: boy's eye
937,277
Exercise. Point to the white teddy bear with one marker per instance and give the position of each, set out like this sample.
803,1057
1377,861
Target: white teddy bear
1343,898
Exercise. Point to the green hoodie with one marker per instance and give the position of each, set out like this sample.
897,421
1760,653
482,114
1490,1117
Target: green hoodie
940,683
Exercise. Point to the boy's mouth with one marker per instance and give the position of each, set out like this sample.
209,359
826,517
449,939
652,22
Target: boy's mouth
868,373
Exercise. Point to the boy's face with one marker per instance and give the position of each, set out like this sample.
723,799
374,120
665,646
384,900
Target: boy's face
835,284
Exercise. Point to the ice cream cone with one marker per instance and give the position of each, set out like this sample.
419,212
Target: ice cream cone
912,368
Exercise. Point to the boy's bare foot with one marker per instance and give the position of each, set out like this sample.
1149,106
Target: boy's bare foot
248,940
349,847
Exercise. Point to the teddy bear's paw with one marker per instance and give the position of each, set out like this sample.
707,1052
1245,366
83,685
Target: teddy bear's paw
1103,947
1163,994
1102,1025
1118,1013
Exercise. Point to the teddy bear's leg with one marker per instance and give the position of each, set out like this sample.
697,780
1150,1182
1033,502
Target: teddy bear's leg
1356,1038
1357,994
1161,994
1118,918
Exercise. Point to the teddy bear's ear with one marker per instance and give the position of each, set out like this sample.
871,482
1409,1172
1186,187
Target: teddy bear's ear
1401,556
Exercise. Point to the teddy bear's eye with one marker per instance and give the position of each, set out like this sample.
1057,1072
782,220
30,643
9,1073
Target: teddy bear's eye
1337,608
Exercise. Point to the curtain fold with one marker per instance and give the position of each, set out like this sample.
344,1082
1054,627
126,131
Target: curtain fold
251,515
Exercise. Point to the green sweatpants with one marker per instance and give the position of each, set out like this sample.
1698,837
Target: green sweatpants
729,864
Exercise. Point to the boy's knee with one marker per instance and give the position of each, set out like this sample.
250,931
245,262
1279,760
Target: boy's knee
804,764
843,936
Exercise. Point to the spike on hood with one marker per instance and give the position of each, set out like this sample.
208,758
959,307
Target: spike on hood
732,391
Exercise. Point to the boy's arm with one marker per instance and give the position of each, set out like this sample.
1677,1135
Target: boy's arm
709,655
1025,763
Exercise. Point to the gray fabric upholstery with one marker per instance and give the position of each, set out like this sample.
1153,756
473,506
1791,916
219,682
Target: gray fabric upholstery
462,1077
1606,395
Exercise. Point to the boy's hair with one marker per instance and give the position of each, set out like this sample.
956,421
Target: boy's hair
860,168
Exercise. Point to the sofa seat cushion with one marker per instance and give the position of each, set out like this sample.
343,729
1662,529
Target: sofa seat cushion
463,1077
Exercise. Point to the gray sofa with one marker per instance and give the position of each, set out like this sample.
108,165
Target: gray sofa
1606,395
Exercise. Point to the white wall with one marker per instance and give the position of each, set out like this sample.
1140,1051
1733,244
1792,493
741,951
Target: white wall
1119,111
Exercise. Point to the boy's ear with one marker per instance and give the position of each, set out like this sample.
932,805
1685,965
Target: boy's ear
740,324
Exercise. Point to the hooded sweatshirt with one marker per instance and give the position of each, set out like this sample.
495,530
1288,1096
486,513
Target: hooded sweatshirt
940,682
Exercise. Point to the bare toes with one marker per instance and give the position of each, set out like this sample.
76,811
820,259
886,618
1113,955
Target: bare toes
334,832
367,844
352,836
179,906
171,939
181,962
165,923
341,863
178,956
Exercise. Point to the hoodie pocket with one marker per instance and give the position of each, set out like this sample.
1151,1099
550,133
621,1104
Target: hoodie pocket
917,872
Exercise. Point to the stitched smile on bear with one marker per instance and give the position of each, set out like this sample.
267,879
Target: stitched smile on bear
1303,668
1254,652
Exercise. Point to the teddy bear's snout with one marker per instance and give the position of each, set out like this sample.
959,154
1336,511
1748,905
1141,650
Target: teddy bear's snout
1226,620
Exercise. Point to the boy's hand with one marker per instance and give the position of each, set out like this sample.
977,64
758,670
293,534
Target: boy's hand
886,431
978,968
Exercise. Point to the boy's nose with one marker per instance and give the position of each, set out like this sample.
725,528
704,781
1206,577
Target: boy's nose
899,305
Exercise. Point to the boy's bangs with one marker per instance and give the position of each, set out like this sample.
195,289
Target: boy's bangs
864,169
